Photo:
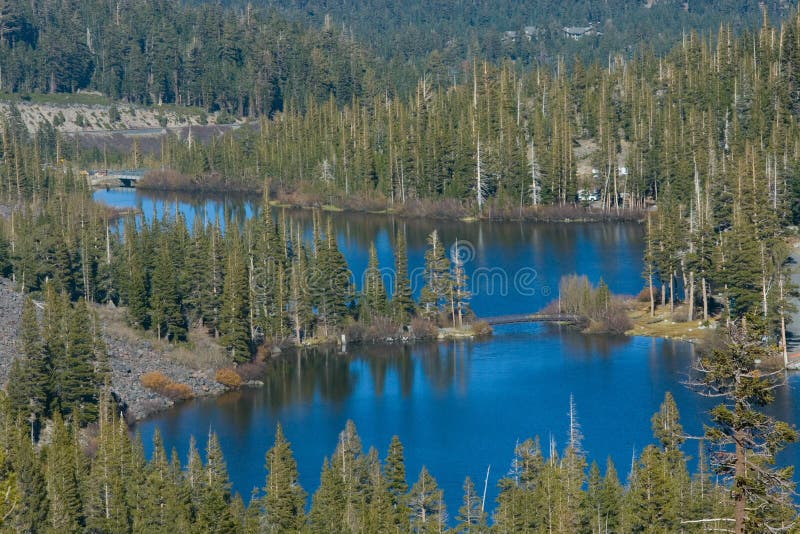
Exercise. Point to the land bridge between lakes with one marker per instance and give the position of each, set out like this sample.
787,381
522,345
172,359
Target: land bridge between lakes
533,318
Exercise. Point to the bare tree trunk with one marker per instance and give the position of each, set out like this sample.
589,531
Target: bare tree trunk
690,300
672,293
739,497
783,323
705,299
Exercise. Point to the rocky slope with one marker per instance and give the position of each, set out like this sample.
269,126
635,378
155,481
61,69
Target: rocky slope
10,311
130,357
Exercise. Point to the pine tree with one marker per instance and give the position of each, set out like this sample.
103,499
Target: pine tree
471,517
403,306
394,471
373,293
63,485
28,384
299,298
331,280
166,316
235,305
284,499
593,520
31,512
214,513
747,440
435,292
611,494
76,387
651,498
378,515
348,462
105,497
459,293
666,424
425,501
328,504
137,293
9,498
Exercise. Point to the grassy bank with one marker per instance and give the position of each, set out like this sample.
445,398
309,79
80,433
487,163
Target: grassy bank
667,324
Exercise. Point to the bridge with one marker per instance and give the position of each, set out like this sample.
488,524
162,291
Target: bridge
533,318
793,361
116,178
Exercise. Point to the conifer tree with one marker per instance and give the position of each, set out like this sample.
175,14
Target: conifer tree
214,512
373,292
349,462
394,471
611,493
28,383
76,387
378,515
471,517
650,499
9,498
403,306
284,499
235,304
166,316
425,501
299,298
31,512
331,282
459,293
105,496
63,486
434,294
137,293
746,440
328,504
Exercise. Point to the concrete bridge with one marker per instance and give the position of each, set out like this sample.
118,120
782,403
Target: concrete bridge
115,178
533,318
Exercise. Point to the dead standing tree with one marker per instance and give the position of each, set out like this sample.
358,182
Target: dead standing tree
743,440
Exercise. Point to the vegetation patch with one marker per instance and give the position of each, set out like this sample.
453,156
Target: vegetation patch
161,384
228,377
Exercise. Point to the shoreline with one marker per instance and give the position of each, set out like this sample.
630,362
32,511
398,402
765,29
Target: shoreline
443,209
132,354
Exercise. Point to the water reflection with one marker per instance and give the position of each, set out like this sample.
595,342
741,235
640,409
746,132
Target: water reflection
500,251
457,406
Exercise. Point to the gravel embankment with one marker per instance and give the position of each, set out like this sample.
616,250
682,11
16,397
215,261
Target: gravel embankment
10,312
129,359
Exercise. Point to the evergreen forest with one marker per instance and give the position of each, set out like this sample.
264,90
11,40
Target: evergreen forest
443,115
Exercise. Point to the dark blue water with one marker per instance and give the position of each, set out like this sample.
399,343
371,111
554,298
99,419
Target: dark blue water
458,407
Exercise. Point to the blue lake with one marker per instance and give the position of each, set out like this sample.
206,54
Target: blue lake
458,407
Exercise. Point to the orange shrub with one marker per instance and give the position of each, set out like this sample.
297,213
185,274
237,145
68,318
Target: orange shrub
155,381
176,391
228,378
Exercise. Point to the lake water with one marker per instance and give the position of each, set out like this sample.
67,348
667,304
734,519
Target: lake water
459,406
